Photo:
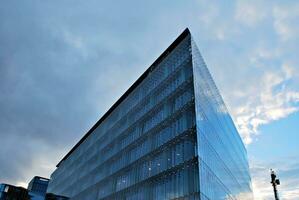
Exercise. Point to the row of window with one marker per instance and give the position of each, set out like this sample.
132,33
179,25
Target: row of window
145,88
175,155
173,61
150,123
158,116
174,127
39,187
145,107
114,132
181,183
100,163
180,125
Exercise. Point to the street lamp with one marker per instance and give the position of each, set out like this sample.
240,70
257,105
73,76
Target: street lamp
274,181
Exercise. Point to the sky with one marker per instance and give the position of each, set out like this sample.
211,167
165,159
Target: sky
64,63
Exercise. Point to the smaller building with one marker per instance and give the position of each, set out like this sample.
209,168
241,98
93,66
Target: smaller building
37,190
9,192
38,186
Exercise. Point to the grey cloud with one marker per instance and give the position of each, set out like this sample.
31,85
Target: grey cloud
62,65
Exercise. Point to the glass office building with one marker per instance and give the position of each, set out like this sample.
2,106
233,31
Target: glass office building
169,136
38,185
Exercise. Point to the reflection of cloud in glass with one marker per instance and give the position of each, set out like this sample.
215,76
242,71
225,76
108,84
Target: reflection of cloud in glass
224,171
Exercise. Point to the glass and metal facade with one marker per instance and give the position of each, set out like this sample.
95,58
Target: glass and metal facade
168,137
11,192
223,165
38,185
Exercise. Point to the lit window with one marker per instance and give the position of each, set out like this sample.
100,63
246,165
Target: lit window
6,188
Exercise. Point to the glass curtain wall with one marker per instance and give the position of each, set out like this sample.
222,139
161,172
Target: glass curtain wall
171,137
146,148
223,166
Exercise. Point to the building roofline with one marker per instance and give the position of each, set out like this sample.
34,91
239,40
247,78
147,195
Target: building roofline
10,185
39,177
173,45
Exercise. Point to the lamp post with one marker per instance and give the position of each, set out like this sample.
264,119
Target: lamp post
274,181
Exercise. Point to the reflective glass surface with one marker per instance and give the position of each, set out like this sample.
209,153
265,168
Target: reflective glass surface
170,138
223,166
146,148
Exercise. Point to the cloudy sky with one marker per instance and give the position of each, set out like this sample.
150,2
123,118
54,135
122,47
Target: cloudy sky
64,63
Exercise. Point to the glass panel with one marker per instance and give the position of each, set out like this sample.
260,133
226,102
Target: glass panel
223,166
145,148
170,138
